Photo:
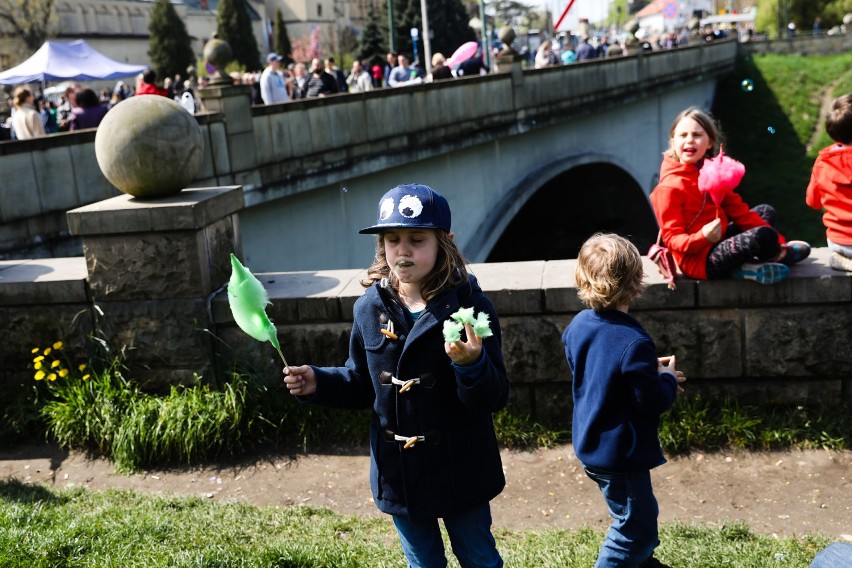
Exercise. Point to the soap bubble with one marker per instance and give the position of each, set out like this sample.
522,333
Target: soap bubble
747,85
344,189
770,130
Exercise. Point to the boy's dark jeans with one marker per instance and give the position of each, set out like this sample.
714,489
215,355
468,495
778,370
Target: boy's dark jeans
632,536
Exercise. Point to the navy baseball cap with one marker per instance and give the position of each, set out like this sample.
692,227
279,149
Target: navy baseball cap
411,206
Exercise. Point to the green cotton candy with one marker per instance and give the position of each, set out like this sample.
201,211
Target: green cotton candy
248,299
482,327
464,316
452,331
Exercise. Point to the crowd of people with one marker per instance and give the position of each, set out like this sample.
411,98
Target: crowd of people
33,113
278,83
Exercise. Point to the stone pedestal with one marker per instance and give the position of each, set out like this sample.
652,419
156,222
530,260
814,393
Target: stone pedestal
153,266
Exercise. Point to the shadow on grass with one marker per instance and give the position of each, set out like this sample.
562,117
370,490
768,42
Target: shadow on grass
15,490
760,135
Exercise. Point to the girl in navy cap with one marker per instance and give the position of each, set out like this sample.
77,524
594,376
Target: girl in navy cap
433,450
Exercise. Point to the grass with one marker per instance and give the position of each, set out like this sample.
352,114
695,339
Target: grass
769,128
40,527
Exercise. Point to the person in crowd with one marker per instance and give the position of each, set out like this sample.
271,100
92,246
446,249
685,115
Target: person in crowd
472,66
698,233
830,188
273,86
167,85
66,103
359,81
403,74
121,91
26,120
89,112
338,75
620,388
378,75
148,84
49,116
544,56
603,47
321,83
435,453
440,69
300,81
392,59
585,51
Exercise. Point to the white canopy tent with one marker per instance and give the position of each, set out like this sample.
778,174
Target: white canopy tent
67,61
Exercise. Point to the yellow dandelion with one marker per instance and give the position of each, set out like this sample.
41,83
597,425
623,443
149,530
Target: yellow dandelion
86,377
39,358
82,366
37,365
47,350
63,373
57,345
51,377
55,364
39,376
35,350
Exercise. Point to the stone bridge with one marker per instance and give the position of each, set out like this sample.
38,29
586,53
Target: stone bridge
555,152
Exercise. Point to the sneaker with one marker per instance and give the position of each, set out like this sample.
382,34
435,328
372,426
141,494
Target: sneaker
764,273
652,562
795,251
839,262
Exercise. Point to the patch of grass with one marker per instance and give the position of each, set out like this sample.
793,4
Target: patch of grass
518,430
127,529
713,424
768,129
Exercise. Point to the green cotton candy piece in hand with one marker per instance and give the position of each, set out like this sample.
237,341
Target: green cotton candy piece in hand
452,331
248,299
482,325
464,316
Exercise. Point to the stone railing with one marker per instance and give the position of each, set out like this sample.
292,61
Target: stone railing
156,271
802,44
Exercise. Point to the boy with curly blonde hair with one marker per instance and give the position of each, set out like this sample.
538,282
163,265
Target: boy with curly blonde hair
620,389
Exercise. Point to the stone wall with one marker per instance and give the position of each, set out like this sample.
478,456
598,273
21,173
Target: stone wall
782,343
804,44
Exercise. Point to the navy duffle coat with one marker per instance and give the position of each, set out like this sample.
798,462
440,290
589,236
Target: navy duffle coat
458,464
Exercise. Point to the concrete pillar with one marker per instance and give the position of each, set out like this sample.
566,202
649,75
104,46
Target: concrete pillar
234,101
153,266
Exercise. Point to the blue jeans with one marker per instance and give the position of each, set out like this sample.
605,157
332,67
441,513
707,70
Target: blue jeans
632,536
836,555
470,536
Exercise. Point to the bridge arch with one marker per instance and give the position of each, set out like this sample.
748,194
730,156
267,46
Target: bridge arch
550,212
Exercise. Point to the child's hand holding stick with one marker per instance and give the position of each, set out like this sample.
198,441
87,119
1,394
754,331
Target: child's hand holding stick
667,365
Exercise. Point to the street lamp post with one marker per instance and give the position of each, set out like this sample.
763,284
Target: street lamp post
427,44
391,38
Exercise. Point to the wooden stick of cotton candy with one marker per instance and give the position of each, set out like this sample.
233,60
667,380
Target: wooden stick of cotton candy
248,300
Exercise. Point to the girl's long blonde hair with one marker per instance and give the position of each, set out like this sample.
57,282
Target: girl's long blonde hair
706,121
450,267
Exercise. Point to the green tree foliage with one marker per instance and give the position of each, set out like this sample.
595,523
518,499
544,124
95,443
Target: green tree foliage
774,15
169,48
283,47
511,12
372,44
448,21
234,27
31,21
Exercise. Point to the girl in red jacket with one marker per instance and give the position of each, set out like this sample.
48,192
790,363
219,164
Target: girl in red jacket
709,242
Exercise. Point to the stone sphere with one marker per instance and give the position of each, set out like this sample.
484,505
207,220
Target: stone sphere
847,19
149,146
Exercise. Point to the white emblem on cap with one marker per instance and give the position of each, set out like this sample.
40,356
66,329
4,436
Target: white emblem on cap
386,209
410,206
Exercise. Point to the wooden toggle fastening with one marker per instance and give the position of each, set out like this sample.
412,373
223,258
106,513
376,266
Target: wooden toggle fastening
387,378
409,441
387,327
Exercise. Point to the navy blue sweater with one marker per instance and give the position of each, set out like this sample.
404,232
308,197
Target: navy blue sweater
618,394
458,466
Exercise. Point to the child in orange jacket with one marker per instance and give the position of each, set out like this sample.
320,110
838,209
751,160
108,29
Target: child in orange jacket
831,183
709,242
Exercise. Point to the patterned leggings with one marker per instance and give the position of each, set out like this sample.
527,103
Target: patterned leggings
738,247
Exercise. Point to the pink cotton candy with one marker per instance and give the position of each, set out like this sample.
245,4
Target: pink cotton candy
719,176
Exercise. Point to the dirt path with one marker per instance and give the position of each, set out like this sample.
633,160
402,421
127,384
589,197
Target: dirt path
783,493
